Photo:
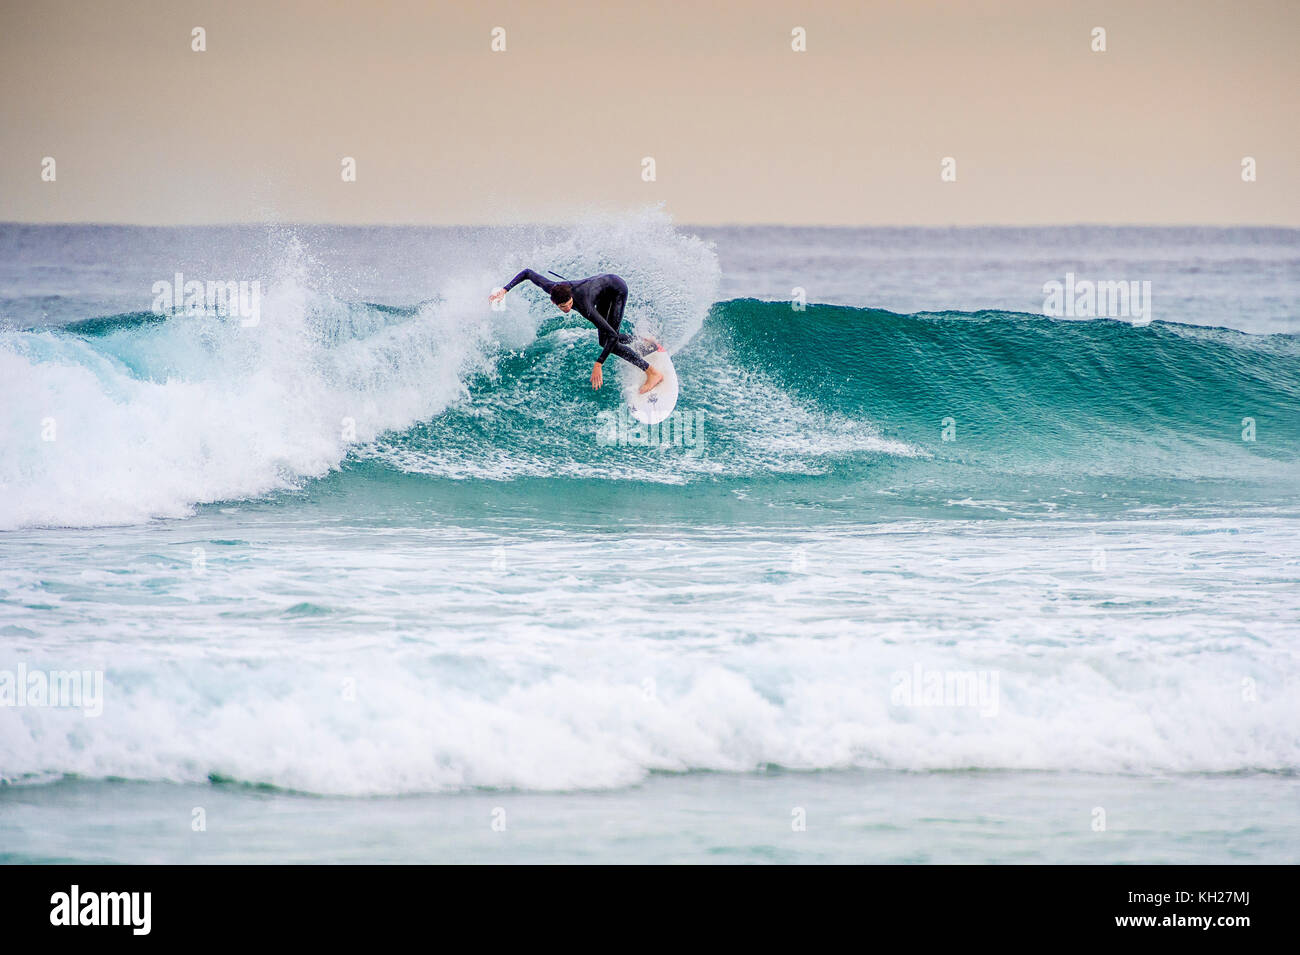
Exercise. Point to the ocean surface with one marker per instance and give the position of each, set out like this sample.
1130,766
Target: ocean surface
366,571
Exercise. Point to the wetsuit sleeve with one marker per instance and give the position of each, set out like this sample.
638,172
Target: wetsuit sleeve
544,284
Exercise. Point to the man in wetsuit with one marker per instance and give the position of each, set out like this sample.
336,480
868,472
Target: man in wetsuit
600,300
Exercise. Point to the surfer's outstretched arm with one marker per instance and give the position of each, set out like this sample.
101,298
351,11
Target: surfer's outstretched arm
541,282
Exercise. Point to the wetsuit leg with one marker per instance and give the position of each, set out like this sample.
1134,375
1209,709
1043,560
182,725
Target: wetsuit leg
626,353
622,347
612,311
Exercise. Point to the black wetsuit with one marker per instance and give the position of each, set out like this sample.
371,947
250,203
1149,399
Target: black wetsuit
600,300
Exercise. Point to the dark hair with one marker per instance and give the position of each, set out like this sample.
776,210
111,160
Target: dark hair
561,293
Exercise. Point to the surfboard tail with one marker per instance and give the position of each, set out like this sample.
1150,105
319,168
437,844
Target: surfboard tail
657,404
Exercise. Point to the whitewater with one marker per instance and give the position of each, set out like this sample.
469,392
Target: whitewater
369,564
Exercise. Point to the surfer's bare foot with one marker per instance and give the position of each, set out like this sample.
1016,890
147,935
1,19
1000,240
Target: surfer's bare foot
652,377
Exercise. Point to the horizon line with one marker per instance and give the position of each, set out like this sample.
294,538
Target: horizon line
251,223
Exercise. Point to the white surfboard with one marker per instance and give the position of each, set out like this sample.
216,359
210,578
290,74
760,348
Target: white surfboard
657,403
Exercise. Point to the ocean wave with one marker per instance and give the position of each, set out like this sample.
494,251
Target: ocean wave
124,418
452,723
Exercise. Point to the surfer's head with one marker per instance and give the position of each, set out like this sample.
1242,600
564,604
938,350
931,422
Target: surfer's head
562,295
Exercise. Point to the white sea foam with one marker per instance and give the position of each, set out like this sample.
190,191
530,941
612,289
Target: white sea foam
412,728
418,660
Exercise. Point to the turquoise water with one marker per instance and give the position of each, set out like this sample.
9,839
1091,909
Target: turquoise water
949,580
848,817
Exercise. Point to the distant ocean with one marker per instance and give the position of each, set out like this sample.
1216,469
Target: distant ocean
363,570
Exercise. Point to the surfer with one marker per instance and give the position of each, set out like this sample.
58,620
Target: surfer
600,300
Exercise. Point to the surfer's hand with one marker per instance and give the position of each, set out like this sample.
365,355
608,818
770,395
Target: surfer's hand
597,376
497,296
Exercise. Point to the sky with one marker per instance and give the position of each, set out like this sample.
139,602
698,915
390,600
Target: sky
741,127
